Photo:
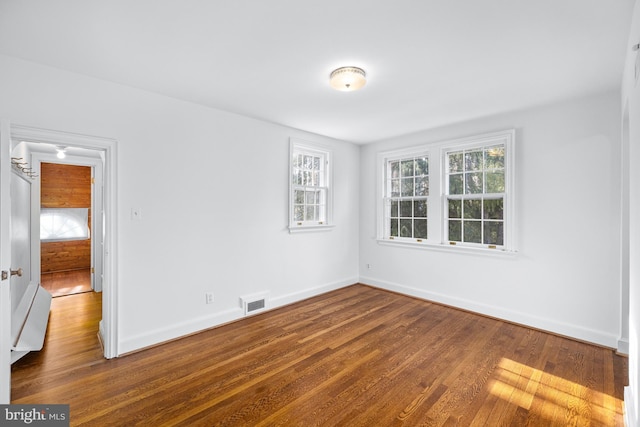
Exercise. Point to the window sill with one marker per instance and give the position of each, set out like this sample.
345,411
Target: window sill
445,247
310,228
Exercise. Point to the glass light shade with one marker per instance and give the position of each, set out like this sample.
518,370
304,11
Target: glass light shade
347,78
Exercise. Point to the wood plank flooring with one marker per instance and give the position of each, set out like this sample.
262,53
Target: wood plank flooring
61,283
358,356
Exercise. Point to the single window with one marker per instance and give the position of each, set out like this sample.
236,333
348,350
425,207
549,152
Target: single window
58,224
310,196
475,195
406,197
451,194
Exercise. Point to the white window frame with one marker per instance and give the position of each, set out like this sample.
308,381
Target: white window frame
437,199
324,185
388,196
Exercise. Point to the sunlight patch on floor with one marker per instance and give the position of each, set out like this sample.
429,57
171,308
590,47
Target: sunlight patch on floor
547,395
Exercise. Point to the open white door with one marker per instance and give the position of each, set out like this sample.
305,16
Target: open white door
5,262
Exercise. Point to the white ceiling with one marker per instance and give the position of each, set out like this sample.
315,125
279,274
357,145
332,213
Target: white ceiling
429,62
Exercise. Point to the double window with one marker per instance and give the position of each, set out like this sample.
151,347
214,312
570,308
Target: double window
310,195
454,193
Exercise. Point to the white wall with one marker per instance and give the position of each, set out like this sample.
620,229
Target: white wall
631,129
566,275
207,224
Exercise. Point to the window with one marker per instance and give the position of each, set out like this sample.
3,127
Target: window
64,224
406,192
475,195
310,195
464,200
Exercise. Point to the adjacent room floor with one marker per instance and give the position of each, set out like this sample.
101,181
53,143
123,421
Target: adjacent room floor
71,282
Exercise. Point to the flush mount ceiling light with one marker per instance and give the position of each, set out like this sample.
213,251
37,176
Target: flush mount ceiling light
347,79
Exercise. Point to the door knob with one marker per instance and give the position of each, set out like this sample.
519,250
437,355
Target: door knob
17,272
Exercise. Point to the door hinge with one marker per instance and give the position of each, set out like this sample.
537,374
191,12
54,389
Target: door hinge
93,180
93,270
5,275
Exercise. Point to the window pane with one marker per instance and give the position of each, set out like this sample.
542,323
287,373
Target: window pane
422,186
407,187
406,228
455,230
316,163
406,167
395,188
298,197
422,166
309,213
298,213
405,208
455,184
395,169
494,209
494,157
420,208
472,209
455,208
493,233
473,183
310,197
308,162
420,229
394,208
455,162
473,160
495,182
393,227
472,231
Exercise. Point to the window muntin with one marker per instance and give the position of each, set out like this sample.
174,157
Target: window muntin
475,195
310,192
406,197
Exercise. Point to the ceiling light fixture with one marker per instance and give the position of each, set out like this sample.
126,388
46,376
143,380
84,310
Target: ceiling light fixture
61,151
347,79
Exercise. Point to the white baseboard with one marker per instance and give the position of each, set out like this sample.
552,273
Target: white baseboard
565,329
631,415
191,326
623,346
283,300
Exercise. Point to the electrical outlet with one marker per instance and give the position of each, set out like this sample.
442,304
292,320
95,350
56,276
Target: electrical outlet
208,297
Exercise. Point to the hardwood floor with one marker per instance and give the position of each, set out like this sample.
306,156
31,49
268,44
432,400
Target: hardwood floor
353,357
62,283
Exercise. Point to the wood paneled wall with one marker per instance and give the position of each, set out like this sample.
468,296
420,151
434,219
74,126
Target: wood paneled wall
65,186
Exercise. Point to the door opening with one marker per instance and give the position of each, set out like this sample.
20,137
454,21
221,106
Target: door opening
99,154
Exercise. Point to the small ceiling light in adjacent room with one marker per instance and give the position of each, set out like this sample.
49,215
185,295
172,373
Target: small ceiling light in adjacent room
61,152
347,78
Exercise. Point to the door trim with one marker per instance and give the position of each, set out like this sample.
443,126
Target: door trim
108,151
5,263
